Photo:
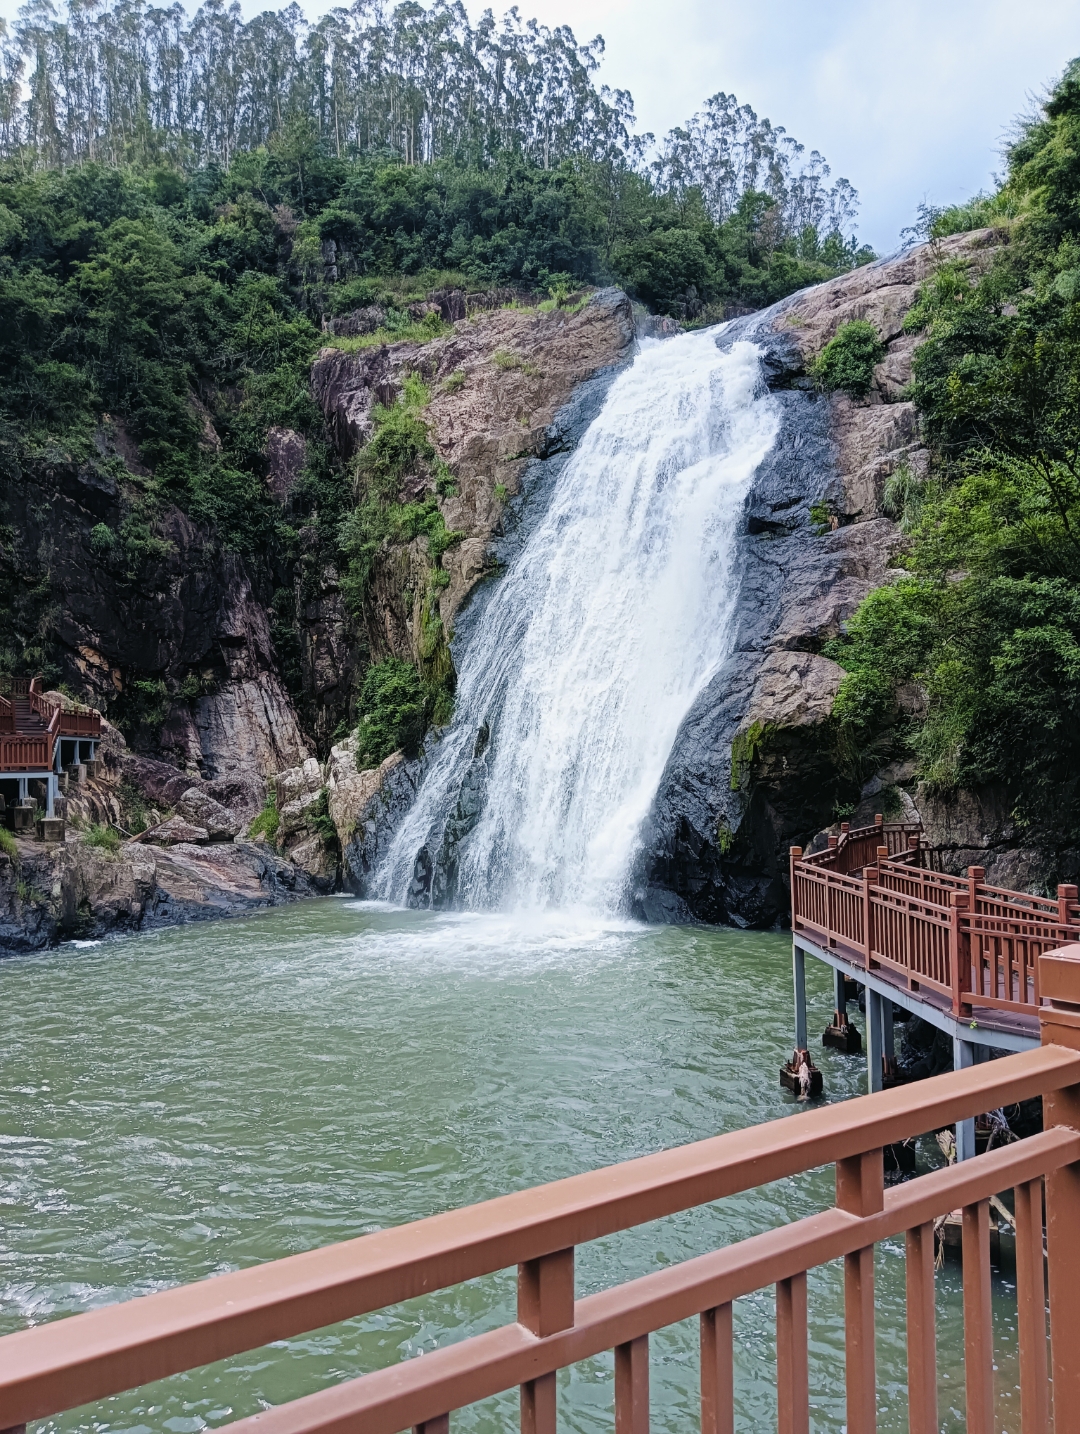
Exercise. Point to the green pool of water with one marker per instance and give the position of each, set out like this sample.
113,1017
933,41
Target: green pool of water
207,1098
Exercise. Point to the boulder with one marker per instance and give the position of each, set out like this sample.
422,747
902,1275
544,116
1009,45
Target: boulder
793,689
200,809
175,830
294,783
317,861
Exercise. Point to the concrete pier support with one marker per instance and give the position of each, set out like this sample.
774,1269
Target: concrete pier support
840,997
798,968
874,1039
965,1053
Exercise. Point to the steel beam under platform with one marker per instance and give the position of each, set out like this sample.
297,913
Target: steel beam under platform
972,1038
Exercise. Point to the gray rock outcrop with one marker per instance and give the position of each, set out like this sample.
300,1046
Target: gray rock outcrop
753,769
54,894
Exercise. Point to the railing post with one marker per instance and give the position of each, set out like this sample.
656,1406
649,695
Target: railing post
439,1425
860,1188
1067,896
978,1322
870,876
976,877
632,1386
1031,1309
922,1332
794,855
1059,1020
792,1357
959,951
718,1373
545,1304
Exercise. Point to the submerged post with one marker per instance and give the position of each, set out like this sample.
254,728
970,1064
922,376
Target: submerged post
798,969
840,998
875,1067
964,1056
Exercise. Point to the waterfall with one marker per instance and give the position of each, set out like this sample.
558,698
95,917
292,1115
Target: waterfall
607,624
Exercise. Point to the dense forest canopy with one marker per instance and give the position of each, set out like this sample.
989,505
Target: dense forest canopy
133,83
972,661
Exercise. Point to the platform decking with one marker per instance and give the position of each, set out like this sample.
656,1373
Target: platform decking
31,724
875,907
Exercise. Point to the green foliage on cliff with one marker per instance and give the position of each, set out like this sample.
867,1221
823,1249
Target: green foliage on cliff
973,661
102,837
266,823
847,360
392,713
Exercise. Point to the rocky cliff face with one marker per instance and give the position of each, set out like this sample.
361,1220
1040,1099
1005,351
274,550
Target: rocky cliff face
160,625
137,622
753,769
497,384
512,392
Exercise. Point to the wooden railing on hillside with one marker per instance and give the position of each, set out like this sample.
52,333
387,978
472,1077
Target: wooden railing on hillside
70,1362
35,751
873,897
76,720
26,754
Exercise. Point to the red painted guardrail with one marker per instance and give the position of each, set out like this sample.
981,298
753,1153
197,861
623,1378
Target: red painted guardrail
872,897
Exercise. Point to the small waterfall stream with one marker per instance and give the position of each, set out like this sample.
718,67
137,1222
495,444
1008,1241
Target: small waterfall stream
605,627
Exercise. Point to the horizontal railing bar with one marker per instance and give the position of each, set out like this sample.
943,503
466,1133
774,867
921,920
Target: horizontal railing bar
454,1376
88,1356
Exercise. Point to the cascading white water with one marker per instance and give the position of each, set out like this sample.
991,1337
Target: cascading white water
602,632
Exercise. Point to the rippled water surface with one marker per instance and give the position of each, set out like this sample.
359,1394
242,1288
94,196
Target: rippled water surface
207,1098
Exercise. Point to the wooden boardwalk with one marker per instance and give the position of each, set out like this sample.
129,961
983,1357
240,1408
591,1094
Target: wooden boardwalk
34,729
875,906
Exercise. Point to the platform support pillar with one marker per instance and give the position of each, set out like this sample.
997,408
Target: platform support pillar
24,793
798,967
840,998
874,1051
964,1055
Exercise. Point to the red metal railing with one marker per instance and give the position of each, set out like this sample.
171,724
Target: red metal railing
869,898
71,1362
75,721
25,754
35,750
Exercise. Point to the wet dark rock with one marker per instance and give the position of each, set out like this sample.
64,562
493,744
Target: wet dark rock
78,891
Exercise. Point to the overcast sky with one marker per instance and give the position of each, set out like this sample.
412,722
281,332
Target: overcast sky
909,100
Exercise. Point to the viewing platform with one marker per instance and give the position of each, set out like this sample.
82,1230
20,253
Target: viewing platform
962,955
40,738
